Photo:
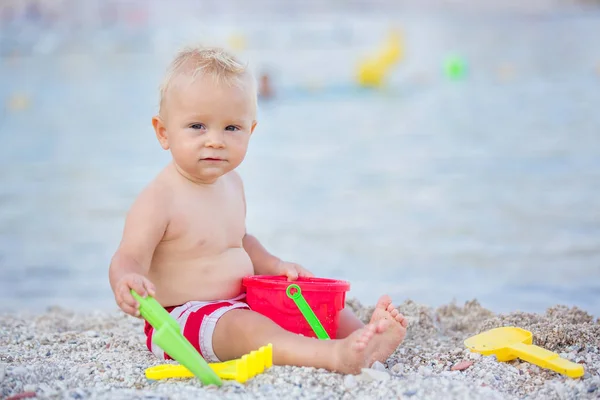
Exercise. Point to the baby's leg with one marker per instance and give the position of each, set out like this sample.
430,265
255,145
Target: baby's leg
240,331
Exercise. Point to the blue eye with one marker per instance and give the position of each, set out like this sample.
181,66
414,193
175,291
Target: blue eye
197,126
232,128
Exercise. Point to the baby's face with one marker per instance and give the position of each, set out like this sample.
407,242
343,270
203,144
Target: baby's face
207,126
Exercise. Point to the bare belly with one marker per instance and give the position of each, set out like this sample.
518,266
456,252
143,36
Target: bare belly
215,277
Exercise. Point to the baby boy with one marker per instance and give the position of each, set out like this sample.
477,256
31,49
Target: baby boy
185,240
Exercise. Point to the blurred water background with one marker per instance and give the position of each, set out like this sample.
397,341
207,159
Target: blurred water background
432,189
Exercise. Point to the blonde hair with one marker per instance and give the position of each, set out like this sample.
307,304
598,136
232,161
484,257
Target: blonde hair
216,62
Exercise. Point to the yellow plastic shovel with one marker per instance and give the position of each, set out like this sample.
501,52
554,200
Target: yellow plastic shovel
242,369
510,342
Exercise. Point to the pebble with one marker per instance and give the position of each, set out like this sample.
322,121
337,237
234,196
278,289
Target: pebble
48,391
575,348
18,371
233,383
2,372
267,388
78,394
377,365
474,356
398,368
350,382
369,374
461,366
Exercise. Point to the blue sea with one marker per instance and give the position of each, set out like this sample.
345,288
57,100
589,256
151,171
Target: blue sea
432,189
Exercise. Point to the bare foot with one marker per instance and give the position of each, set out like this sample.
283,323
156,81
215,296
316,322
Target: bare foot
355,351
395,332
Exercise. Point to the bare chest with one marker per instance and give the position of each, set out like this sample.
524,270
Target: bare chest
209,221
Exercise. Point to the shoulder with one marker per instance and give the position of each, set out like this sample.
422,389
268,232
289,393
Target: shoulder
235,179
156,196
236,185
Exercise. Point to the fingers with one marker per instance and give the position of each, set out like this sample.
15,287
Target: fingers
137,283
129,309
149,287
125,299
291,273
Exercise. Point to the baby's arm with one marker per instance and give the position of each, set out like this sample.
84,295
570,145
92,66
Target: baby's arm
145,226
264,262
267,264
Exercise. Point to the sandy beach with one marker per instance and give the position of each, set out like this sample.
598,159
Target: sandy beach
62,354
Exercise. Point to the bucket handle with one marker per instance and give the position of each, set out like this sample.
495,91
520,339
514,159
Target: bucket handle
306,311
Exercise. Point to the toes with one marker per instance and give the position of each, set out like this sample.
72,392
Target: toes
400,318
358,346
384,302
370,328
391,307
364,338
394,313
367,333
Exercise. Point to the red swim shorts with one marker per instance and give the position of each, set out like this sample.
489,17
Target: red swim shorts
197,320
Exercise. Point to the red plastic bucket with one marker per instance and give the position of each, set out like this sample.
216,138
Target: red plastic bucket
266,295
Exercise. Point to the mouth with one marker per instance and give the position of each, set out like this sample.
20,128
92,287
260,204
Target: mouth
211,159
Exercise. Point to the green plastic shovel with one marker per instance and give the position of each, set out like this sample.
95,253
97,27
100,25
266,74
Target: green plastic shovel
169,338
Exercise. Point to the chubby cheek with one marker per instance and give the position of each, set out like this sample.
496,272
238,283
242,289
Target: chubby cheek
238,151
238,143
186,151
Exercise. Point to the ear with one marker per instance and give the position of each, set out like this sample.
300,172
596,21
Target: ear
253,126
161,132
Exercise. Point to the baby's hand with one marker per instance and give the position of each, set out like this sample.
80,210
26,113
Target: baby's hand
293,270
123,296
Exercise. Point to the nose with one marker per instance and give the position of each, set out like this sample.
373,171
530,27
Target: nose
214,139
